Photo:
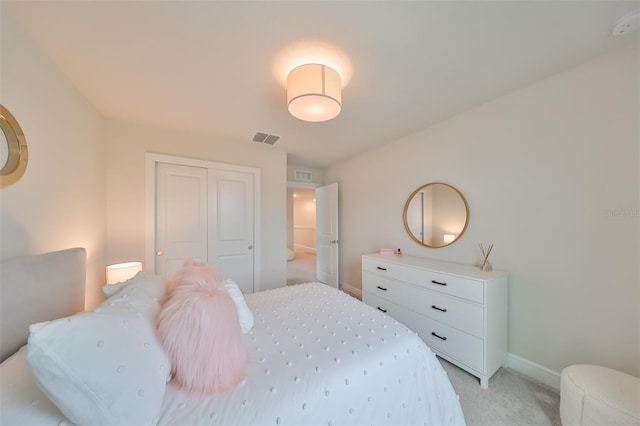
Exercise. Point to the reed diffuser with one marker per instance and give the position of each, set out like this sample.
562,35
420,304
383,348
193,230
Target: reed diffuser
486,265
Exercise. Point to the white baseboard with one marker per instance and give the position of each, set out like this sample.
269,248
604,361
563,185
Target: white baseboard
534,371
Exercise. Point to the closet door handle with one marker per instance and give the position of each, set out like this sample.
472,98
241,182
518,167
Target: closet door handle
438,309
433,333
382,288
382,310
438,282
381,268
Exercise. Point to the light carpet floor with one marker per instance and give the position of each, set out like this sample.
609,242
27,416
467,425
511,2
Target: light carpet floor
511,399
302,269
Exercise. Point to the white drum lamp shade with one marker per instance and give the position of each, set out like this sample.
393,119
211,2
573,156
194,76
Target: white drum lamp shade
122,271
314,92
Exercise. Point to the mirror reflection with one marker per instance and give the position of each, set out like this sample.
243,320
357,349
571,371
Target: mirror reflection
4,150
436,215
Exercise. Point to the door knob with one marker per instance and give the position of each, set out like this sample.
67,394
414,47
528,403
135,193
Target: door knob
334,241
250,247
159,253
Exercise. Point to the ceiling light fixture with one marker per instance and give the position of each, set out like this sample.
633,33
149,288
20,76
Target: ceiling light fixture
314,92
626,24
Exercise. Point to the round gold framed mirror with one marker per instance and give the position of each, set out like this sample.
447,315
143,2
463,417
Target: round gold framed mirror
436,215
13,149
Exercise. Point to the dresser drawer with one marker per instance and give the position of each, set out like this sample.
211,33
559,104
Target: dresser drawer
458,310
440,337
384,288
383,268
463,315
396,312
465,288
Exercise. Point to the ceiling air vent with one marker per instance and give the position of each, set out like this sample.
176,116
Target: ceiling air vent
265,137
303,175
271,139
260,137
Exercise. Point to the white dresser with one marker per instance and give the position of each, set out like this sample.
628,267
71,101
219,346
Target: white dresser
458,310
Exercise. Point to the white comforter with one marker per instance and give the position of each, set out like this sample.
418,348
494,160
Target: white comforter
318,356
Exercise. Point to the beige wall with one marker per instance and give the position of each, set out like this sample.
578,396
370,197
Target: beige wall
304,212
74,155
304,223
551,174
126,148
59,202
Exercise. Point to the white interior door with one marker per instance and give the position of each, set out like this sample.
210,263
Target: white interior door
231,235
203,211
327,248
181,216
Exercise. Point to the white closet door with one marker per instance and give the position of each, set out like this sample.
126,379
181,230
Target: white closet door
231,232
181,216
206,213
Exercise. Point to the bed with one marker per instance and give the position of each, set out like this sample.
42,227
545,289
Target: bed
317,356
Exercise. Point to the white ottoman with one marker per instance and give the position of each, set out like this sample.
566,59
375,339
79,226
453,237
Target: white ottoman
595,396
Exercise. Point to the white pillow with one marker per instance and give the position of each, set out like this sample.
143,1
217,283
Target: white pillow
245,316
110,289
105,367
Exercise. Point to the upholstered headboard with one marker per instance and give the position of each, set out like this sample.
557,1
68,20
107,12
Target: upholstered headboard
38,288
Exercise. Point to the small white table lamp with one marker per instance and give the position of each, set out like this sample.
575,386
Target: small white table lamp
122,271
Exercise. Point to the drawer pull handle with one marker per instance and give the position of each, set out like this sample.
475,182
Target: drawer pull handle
433,333
438,282
382,288
439,309
382,310
381,268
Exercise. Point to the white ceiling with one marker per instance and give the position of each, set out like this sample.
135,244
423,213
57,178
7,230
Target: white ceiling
216,68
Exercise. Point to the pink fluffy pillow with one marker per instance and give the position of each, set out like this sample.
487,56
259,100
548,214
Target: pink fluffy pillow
199,329
196,273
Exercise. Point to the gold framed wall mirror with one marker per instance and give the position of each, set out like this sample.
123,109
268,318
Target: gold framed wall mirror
13,149
436,215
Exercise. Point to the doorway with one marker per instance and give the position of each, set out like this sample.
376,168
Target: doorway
301,241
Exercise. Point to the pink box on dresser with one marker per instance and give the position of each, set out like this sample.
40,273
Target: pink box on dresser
387,251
